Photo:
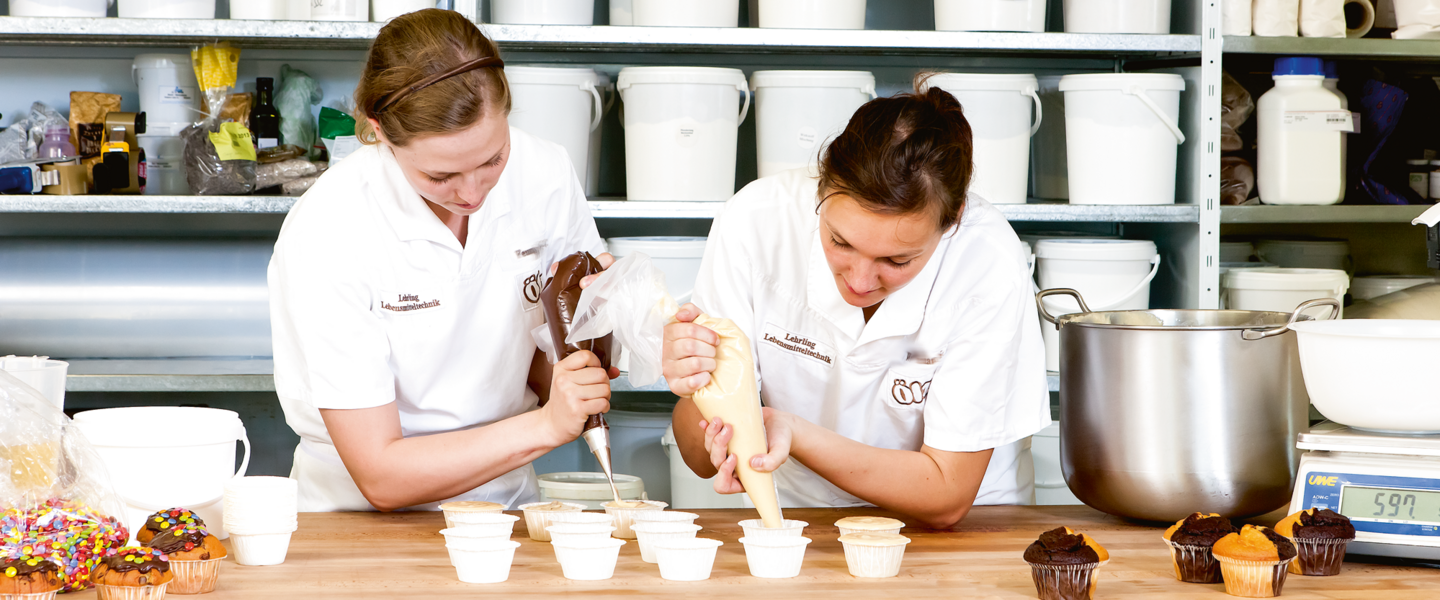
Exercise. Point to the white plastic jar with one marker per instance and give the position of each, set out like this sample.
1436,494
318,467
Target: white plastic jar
685,13
813,14
1301,126
1117,16
990,15
558,104
166,9
681,128
998,108
1283,290
546,12
1109,274
798,112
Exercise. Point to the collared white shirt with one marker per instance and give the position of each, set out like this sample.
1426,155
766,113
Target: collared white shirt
953,360
373,300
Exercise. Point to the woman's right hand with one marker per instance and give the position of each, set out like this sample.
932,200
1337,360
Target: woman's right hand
689,353
578,389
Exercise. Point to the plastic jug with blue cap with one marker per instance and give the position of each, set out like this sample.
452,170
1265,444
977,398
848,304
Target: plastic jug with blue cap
1300,136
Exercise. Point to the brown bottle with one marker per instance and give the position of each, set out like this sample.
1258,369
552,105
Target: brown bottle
559,298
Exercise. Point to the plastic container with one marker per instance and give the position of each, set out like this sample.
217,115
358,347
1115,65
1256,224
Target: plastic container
384,10
260,550
755,528
1282,290
484,563
1372,373
646,534
1049,174
560,105
260,515
1300,129
998,109
1109,274
543,12
1117,16
688,490
1236,252
589,490
874,556
1306,254
46,376
588,559
1050,486
164,159
1122,136
168,90
681,126
686,559
797,113
57,143
58,8
1374,286
260,10
685,13
337,10
990,15
165,9
775,557
813,14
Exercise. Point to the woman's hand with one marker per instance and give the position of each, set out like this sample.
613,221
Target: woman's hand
606,261
778,436
579,388
688,356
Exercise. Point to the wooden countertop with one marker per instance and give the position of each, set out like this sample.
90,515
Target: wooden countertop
356,556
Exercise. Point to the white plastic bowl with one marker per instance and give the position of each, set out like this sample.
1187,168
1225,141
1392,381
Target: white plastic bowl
1372,373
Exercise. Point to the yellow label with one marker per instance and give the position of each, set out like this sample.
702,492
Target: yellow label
233,142
216,65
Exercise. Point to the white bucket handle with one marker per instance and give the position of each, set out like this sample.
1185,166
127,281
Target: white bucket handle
1113,304
1139,93
745,110
244,465
1030,91
869,89
589,86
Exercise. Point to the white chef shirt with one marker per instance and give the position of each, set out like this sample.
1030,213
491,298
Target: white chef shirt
953,360
373,300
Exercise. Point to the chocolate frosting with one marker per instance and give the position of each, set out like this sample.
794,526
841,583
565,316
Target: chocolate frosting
1058,547
1283,547
1199,530
179,539
23,568
1324,524
559,299
175,517
144,562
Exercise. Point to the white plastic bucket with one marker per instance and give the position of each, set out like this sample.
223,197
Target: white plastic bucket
1236,252
1117,16
622,13
813,14
688,490
166,9
1109,274
1049,177
58,8
384,10
998,109
681,125
1282,290
1374,286
1050,487
590,489
798,112
260,10
336,10
46,376
560,105
685,13
1122,137
592,171
990,15
677,257
1306,254
542,12
164,160
196,446
635,448
168,90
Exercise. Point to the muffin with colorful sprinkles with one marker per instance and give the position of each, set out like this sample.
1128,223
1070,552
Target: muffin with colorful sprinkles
30,577
162,521
132,573
1190,540
194,558
1063,563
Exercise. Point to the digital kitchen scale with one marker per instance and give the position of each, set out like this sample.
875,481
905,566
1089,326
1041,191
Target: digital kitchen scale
1387,484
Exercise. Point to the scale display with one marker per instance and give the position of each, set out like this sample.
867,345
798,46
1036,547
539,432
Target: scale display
1412,505
1378,503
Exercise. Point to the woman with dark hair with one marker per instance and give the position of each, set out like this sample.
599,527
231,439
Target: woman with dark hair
895,335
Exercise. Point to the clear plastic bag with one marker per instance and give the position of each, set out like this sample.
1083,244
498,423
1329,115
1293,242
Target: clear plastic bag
630,300
55,491
298,92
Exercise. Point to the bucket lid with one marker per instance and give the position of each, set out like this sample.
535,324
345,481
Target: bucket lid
1035,237
1284,279
162,61
1307,247
524,74
1091,82
862,80
1388,283
1096,249
983,82
194,426
658,247
589,486
704,75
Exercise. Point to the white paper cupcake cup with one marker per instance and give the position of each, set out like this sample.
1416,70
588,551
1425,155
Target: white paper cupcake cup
582,518
537,520
775,557
488,563
455,517
891,531
194,576
647,534
866,560
1253,578
588,559
625,516
755,528
490,524
665,516
50,595
561,532
685,559
259,550
129,592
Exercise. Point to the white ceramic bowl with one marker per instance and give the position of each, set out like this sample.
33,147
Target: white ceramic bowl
755,528
560,532
588,559
686,559
625,516
647,534
260,550
1371,373
484,563
537,520
776,556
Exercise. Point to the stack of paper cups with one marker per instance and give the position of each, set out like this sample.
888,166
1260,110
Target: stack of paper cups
260,514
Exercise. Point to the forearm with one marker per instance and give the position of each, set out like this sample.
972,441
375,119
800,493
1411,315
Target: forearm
690,437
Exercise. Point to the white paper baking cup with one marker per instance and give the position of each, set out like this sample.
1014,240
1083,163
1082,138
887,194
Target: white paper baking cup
260,505
194,576
537,520
755,528
128,592
560,532
494,525
582,518
866,560
50,595
259,550
588,559
625,516
686,559
665,516
488,562
649,533
455,518
776,556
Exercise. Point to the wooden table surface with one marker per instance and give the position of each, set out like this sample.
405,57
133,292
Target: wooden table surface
358,556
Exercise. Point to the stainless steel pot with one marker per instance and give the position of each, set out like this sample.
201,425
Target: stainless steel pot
1168,412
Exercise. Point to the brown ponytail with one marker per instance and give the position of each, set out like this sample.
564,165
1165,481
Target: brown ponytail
904,154
413,47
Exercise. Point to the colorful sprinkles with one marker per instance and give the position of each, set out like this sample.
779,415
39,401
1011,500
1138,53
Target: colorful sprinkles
165,519
187,532
70,534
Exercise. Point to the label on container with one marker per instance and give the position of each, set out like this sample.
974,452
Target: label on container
1319,120
687,136
807,138
179,94
233,142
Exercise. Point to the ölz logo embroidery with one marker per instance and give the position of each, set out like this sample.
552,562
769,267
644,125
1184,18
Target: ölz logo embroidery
531,288
909,393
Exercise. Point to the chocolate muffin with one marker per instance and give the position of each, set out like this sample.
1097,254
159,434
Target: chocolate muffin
1254,561
25,574
132,567
1320,537
1063,562
1190,540
190,542
162,521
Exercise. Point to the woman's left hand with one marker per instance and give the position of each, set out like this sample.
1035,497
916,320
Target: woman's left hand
779,433
606,261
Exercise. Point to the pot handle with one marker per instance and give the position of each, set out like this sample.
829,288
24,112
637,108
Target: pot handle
1040,297
1260,334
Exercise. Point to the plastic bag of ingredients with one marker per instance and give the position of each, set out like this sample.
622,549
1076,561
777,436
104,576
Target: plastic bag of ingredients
280,173
1236,105
630,300
298,92
56,500
337,132
219,156
1237,178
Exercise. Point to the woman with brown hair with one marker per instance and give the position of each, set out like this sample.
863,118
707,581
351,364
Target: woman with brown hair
405,284
895,337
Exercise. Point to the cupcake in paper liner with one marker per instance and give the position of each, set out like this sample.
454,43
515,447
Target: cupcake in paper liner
1190,540
870,554
538,516
624,514
1320,537
194,558
132,574
1063,563
849,525
1254,561
29,577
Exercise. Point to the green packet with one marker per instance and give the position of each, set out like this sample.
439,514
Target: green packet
334,124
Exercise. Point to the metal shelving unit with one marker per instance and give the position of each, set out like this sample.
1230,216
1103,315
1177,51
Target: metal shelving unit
1367,48
1320,214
